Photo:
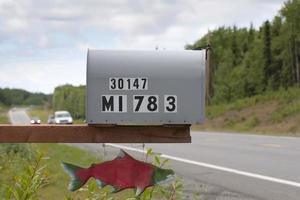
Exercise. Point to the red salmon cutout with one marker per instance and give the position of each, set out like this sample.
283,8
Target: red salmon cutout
121,173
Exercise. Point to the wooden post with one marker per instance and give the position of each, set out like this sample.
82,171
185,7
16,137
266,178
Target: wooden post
94,134
208,74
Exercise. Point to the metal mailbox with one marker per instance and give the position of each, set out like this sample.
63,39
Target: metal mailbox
145,87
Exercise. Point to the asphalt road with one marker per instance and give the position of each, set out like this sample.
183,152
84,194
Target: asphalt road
18,116
223,165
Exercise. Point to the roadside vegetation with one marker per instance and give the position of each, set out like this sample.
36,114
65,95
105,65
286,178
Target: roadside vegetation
19,97
247,61
70,98
33,171
271,112
3,115
275,112
41,112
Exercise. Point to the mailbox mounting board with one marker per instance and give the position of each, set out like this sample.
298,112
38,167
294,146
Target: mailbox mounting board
145,87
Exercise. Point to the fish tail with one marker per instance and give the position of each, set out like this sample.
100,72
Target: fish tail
79,176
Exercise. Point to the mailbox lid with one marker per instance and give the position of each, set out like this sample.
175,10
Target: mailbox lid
180,74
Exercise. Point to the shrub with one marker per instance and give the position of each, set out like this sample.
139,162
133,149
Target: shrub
24,175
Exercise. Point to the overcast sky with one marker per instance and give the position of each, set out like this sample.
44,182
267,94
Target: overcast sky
44,43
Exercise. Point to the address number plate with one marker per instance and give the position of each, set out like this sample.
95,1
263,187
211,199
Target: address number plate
141,103
128,83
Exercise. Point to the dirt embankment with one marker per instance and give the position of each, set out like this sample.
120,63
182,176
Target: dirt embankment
275,114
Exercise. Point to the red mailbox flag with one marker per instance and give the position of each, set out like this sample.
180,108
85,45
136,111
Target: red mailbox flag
121,173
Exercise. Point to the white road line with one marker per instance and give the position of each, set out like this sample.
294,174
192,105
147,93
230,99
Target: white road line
225,169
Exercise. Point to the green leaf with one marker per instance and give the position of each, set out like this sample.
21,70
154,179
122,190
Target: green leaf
149,152
164,162
157,160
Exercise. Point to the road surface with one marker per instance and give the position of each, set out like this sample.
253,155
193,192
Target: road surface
18,116
223,165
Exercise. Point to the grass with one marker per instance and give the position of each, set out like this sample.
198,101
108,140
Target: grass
286,111
56,153
15,158
18,160
274,112
40,112
59,180
283,96
78,121
3,115
243,125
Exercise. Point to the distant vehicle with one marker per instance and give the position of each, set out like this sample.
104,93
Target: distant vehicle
63,117
35,120
51,119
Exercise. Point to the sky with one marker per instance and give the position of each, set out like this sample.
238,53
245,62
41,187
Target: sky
44,44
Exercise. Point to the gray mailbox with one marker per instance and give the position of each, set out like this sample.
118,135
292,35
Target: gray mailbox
145,87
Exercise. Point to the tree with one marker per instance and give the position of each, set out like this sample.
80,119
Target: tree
277,48
235,48
290,13
251,35
268,72
70,98
11,97
249,61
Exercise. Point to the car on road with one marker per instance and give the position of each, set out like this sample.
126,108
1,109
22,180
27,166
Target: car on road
35,120
63,117
51,119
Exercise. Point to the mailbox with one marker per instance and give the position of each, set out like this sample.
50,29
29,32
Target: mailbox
145,87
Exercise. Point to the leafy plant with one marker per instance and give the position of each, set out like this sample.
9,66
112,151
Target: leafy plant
32,179
286,111
23,150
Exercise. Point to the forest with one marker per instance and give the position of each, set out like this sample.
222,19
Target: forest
247,62
71,98
13,97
